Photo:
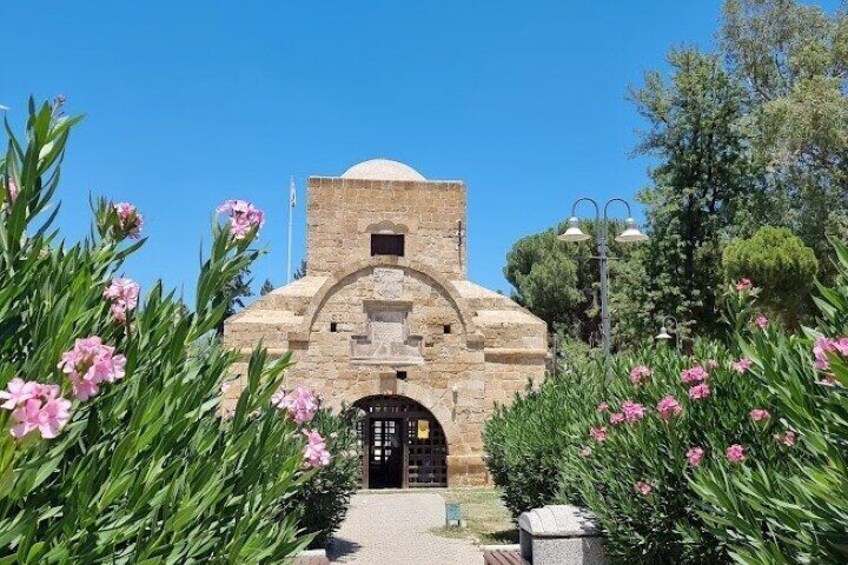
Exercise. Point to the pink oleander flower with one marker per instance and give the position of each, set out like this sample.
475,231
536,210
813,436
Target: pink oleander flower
124,296
640,373
825,346
744,285
759,414
129,220
616,418
735,453
603,407
598,434
300,404
787,438
17,392
123,290
633,411
91,363
712,363
742,365
695,455
761,322
586,452
13,191
694,374
315,454
668,407
644,488
36,407
243,217
700,391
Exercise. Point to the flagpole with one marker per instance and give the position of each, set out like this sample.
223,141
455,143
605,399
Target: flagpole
291,210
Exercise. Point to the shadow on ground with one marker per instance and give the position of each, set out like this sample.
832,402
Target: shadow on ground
340,547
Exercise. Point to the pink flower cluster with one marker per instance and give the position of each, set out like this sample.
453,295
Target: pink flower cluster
744,285
301,404
124,296
633,411
668,407
603,407
315,454
640,373
699,392
699,375
243,217
129,219
91,363
598,434
759,414
695,455
825,346
742,365
761,322
643,487
694,374
35,406
735,453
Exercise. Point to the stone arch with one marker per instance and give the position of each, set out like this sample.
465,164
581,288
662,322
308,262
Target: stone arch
387,226
343,277
415,460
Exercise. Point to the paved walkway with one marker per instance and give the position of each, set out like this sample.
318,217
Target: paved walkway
394,529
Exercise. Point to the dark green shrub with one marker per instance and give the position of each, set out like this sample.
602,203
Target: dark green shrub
321,504
526,443
780,265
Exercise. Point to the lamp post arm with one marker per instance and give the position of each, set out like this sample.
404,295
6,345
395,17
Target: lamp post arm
610,201
586,199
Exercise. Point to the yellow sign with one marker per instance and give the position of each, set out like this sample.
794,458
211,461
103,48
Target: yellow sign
423,429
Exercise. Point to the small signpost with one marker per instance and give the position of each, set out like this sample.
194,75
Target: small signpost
453,514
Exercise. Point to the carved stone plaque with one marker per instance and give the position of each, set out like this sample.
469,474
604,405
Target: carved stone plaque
388,284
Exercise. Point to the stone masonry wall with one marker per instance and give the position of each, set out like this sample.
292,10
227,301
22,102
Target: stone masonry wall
342,213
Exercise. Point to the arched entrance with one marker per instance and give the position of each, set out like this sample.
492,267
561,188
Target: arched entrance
403,445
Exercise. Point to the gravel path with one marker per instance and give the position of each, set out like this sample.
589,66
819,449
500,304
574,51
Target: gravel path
394,529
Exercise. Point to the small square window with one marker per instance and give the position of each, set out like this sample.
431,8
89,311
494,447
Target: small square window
334,327
401,375
387,244
446,328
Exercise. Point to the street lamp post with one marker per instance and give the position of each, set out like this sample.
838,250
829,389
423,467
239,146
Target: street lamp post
631,234
664,335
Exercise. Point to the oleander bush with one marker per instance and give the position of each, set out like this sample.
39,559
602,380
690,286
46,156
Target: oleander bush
528,442
790,505
321,504
111,449
665,415
735,452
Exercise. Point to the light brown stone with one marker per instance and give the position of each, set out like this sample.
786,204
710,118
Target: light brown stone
493,348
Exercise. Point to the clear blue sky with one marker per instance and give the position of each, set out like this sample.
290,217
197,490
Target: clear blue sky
190,103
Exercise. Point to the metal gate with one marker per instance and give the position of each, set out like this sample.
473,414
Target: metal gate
403,445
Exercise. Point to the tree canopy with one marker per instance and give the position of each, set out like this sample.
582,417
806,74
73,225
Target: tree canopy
754,134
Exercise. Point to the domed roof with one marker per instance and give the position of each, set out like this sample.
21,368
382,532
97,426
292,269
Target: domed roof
382,169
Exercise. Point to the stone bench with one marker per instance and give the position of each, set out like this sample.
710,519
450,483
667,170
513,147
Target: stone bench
561,535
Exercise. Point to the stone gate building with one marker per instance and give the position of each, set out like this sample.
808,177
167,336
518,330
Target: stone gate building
386,320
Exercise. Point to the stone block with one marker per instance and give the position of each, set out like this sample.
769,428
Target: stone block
560,535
